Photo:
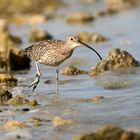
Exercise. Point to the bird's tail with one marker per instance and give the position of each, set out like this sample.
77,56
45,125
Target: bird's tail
28,50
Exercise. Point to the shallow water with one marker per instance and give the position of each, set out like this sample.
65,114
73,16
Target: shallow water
121,105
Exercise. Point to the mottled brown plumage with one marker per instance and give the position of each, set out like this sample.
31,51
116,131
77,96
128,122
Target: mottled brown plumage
52,53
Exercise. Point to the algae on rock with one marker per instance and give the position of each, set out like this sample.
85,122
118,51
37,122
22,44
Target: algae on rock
116,59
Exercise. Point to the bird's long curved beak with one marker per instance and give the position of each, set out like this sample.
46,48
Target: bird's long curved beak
91,49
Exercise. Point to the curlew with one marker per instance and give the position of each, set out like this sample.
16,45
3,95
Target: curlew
53,53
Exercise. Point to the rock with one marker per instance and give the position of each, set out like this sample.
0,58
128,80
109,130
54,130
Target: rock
7,39
116,59
26,7
121,4
33,103
72,71
10,124
3,26
97,98
29,19
109,132
36,121
8,79
88,1
39,35
105,12
91,37
58,121
18,100
79,17
93,99
11,57
18,59
61,82
5,95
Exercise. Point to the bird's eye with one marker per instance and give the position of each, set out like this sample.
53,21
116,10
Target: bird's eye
71,39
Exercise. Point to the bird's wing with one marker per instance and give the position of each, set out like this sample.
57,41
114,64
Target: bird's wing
40,48
49,44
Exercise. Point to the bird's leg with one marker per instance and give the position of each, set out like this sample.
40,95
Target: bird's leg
57,79
37,77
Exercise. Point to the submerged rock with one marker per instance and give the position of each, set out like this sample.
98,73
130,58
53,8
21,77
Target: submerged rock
10,124
72,71
5,95
79,17
116,59
36,121
8,79
104,12
91,37
121,4
115,80
109,132
38,35
93,99
58,121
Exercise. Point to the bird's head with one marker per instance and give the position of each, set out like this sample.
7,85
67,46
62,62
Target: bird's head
74,41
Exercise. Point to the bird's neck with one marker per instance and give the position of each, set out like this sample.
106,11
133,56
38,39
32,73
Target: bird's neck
67,49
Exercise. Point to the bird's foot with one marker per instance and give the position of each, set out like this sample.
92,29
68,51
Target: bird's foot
35,82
